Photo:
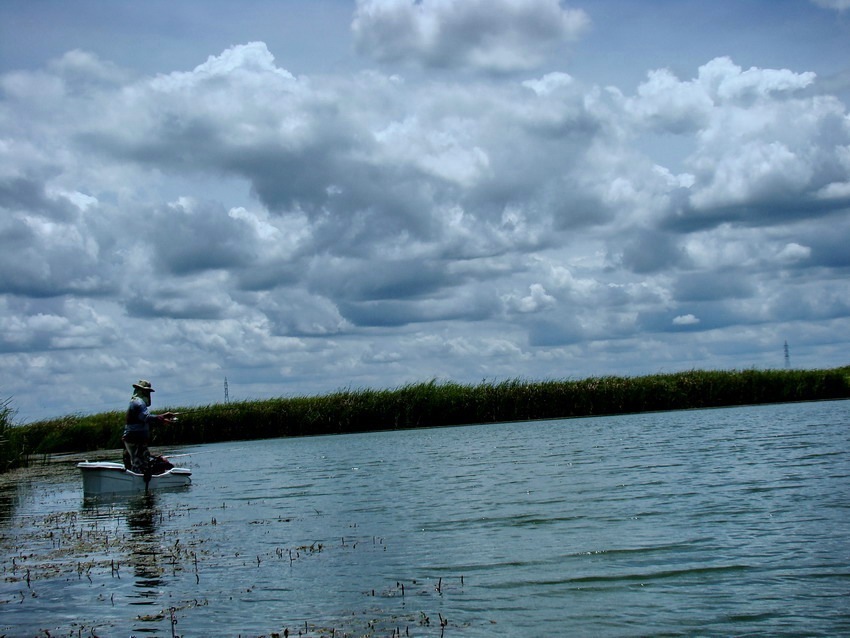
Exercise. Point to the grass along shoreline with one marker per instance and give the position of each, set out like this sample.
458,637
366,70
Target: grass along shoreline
432,404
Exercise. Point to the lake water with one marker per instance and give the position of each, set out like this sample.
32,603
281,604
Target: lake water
712,522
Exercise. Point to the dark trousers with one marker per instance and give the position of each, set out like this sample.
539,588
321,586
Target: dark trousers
138,456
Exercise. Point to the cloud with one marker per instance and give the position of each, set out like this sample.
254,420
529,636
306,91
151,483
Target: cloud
394,313
489,35
379,168
448,172
297,312
19,194
191,237
44,248
307,232
537,299
649,251
793,252
764,150
685,320
711,286
69,324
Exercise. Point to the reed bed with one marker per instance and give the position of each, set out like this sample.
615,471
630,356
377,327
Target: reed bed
7,453
435,404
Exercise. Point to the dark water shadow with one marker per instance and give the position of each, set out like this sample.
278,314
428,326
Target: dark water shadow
17,486
8,501
143,518
143,549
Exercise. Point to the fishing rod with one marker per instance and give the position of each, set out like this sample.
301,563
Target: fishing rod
174,415
190,411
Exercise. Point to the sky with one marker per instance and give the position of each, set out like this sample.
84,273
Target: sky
298,197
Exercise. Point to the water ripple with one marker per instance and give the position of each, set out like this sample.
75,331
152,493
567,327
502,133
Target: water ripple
715,522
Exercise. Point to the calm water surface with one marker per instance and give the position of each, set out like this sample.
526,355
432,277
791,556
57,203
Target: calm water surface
715,522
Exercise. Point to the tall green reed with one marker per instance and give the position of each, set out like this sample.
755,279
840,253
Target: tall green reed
434,403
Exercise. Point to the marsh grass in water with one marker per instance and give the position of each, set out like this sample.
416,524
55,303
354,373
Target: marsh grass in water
439,404
8,454
107,543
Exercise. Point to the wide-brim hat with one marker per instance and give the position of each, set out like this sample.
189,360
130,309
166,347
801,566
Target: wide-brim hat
143,385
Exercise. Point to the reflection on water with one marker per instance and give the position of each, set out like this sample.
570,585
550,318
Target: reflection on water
145,549
8,499
22,485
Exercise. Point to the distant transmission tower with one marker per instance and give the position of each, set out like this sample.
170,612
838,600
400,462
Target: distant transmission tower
227,394
787,357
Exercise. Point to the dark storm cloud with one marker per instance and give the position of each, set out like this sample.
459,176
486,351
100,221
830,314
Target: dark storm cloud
155,304
267,274
830,250
394,313
27,195
378,279
775,209
648,251
711,286
61,261
548,333
191,237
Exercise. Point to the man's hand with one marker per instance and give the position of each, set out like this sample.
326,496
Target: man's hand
168,417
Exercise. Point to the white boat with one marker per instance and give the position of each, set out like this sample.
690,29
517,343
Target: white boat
105,477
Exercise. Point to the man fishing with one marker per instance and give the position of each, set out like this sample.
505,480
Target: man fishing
137,432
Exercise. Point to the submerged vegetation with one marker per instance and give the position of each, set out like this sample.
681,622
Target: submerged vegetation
437,404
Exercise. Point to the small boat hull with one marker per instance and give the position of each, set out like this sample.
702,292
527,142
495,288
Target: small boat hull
104,477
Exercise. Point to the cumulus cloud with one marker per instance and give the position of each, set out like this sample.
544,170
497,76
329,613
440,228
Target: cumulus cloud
191,237
44,247
36,326
368,226
763,148
537,299
490,35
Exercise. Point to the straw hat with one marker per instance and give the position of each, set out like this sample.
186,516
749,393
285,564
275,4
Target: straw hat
143,385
